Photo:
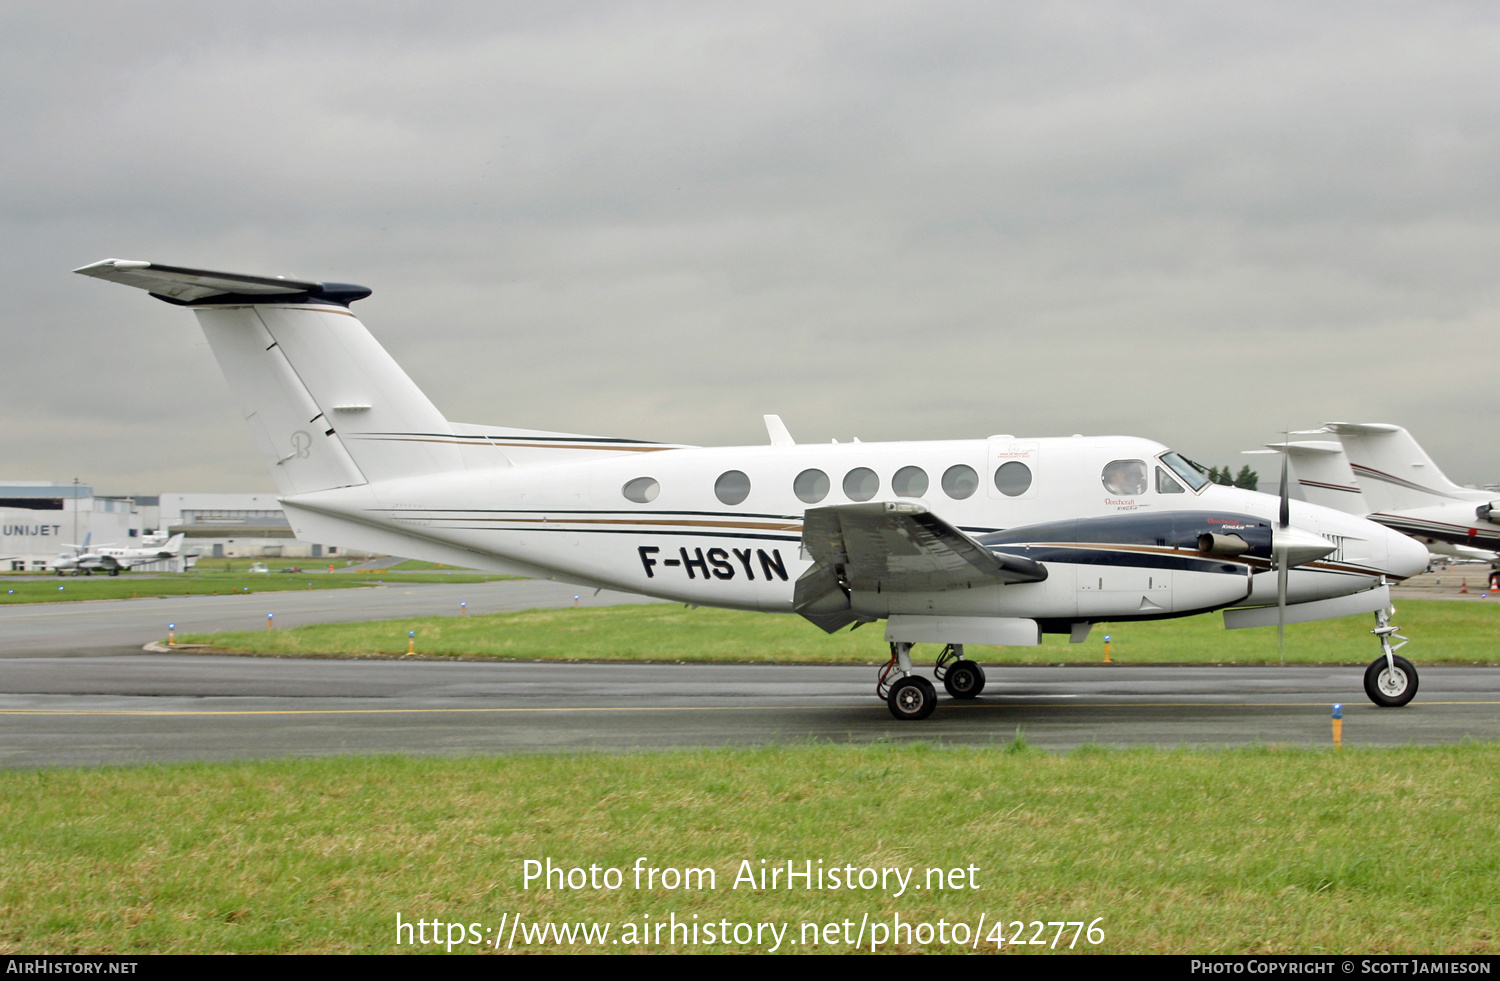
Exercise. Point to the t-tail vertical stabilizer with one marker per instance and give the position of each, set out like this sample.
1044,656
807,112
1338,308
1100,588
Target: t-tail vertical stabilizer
328,406
1393,470
1323,475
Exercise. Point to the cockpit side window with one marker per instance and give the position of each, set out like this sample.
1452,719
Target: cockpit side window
1125,477
1190,474
1165,484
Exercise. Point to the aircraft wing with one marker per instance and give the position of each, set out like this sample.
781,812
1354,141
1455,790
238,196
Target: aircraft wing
898,546
892,547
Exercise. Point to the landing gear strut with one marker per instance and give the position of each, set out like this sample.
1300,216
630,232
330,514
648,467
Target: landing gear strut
963,679
910,697
1390,681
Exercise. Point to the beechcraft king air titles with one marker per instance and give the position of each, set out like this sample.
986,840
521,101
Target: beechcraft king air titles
984,541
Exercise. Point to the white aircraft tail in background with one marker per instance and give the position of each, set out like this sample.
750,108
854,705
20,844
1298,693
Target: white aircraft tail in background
1323,474
1379,470
1394,472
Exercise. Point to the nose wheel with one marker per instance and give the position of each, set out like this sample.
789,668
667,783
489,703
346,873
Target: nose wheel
1391,685
1390,681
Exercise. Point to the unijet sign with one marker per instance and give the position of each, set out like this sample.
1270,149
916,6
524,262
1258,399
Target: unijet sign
29,536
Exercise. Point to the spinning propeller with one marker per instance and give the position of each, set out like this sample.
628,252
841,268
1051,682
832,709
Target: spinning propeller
1289,547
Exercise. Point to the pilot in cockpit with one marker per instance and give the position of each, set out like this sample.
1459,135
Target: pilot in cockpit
1125,477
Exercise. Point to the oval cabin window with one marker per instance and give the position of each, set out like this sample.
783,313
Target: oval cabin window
641,490
732,487
811,486
960,482
861,484
909,482
1013,478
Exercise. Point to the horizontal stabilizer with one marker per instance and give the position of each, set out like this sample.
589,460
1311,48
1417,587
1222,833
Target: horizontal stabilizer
177,284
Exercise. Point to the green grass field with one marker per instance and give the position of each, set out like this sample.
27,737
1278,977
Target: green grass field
1441,631
1238,851
209,582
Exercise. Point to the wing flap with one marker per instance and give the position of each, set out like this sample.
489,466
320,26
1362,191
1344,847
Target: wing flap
887,547
900,546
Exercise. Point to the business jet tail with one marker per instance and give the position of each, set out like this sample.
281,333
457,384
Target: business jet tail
1323,475
1393,470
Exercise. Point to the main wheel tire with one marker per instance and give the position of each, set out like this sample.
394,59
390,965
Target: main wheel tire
1388,689
964,679
912,698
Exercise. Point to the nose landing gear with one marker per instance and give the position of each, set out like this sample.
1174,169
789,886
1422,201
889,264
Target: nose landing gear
1390,681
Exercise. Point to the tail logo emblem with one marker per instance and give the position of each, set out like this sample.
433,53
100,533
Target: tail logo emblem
301,444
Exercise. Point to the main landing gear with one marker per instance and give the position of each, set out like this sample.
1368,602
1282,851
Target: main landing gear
1390,681
963,679
912,697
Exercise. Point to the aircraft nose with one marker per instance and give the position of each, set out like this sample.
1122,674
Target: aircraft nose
1405,556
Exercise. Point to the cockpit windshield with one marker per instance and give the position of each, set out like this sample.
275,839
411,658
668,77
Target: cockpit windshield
1190,474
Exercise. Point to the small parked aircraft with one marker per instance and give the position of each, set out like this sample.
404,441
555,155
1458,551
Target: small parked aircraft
984,541
114,560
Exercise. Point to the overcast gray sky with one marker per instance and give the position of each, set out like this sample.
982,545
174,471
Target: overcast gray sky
1201,223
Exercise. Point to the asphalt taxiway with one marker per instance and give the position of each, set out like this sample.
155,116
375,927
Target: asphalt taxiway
76,690
123,626
150,707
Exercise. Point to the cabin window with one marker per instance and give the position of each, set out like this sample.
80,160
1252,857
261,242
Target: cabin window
1013,478
811,486
960,482
1124,477
1165,484
909,482
732,487
861,484
641,490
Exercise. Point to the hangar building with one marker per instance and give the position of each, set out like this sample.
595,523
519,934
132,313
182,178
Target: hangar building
227,526
40,520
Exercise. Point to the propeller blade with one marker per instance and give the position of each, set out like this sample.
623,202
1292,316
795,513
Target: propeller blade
1286,501
1281,575
1281,557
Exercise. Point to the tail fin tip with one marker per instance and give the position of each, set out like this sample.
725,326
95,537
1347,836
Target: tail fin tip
183,286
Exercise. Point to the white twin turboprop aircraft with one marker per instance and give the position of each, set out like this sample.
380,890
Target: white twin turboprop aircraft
986,541
113,559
